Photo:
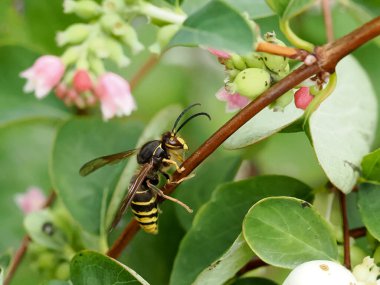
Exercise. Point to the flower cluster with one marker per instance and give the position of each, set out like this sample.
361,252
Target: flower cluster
79,77
250,75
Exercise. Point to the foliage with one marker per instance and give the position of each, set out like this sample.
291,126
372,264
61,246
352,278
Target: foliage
269,194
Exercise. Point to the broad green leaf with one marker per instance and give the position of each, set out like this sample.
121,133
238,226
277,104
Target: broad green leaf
160,123
253,281
287,9
286,232
255,8
15,105
77,142
371,166
263,125
225,267
369,207
92,268
343,127
24,150
217,169
216,25
218,223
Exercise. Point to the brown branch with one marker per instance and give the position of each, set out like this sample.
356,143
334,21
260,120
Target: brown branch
149,64
253,264
328,20
346,233
20,253
122,241
358,232
293,53
328,56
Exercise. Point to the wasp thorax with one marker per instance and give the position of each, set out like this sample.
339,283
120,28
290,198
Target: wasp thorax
173,141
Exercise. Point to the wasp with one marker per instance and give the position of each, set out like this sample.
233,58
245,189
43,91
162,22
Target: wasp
154,158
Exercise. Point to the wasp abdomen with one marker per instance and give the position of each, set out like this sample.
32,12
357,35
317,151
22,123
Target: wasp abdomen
144,207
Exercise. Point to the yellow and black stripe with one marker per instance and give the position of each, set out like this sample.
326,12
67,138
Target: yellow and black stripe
144,207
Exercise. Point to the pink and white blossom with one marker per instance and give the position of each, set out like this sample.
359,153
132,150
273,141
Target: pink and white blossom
44,75
115,96
302,98
234,101
30,201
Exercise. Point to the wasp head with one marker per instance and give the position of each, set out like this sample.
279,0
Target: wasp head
174,142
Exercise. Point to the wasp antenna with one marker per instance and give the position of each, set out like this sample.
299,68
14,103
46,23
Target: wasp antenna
192,117
183,113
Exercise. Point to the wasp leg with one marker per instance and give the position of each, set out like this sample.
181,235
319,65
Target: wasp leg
160,193
182,169
182,179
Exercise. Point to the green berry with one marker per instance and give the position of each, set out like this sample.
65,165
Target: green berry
254,60
238,61
281,102
63,271
251,82
274,63
280,75
46,260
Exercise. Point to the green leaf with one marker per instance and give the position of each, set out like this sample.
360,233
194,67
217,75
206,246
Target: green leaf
1,275
57,282
369,207
253,281
15,105
92,268
78,141
255,8
225,267
343,127
24,150
216,25
160,123
371,166
263,125
217,169
218,223
286,232
287,9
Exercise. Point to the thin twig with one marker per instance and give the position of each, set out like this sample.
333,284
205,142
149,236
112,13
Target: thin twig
346,230
294,53
20,253
253,264
328,20
125,237
328,57
148,65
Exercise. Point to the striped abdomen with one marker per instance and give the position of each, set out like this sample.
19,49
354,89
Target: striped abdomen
144,207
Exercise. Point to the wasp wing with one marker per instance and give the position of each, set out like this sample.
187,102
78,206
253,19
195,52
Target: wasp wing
131,192
99,162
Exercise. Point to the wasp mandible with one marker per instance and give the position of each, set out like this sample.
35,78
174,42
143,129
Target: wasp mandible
154,157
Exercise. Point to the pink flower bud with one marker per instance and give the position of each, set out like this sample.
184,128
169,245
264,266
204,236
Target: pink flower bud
45,73
234,101
115,96
302,98
82,81
32,200
219,53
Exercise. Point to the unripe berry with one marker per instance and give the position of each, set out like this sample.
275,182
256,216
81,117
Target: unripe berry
85,9
47,260
254,60
275,63
63,271
251,82
164,35
74,34
238,61
280,75
281,102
